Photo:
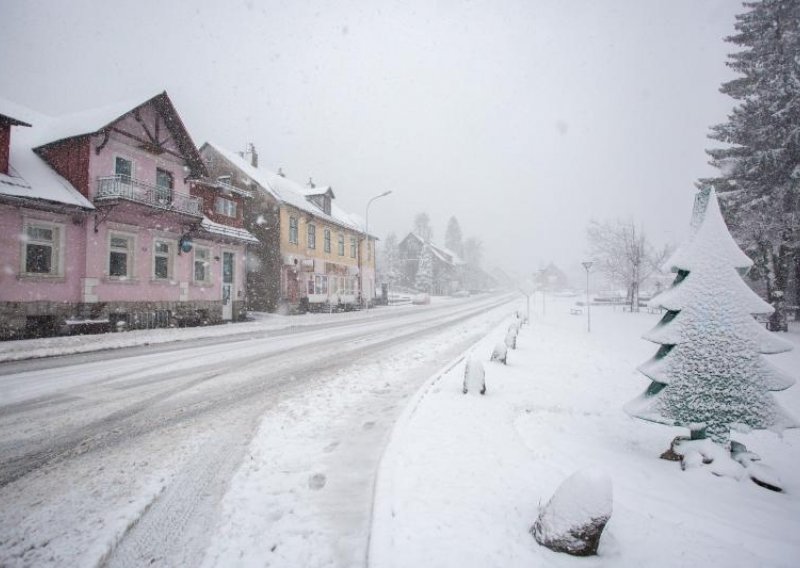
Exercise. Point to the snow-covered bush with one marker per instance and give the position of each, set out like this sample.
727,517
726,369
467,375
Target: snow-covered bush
511,338
709,374
500,353
574,518
474,376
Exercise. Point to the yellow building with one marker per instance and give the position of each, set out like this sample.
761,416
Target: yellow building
312,255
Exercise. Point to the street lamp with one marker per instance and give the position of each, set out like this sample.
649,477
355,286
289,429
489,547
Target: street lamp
366,237
588,265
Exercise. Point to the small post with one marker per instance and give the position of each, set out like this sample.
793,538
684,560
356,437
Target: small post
588,265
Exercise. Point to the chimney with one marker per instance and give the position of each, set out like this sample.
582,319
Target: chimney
311,183
250,155
253,155
280,173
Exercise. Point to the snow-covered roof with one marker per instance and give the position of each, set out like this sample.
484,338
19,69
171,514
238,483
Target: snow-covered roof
442,253
290,192
227,231
29,176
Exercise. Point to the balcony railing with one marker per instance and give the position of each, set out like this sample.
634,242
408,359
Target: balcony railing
124,187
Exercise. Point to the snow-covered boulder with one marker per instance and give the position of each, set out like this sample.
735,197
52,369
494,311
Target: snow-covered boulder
511,338
574,518
474,376
500,353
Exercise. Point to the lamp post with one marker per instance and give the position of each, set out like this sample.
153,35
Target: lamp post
588,265
366,238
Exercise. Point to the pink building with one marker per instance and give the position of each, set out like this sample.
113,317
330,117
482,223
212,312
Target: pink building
108,220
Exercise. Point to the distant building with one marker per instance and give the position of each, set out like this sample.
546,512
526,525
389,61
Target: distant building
447,267
107,220
312,254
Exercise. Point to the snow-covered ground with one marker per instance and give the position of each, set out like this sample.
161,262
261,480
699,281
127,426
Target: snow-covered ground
463,475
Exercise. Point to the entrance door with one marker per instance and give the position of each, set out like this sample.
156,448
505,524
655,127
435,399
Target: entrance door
291,286
227,285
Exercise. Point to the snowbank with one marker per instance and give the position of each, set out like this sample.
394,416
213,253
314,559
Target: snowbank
463,477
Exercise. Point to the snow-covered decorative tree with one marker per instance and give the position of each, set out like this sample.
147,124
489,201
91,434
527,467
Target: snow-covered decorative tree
759,181
424,279
709,374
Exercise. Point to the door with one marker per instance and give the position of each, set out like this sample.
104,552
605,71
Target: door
227,285
291,286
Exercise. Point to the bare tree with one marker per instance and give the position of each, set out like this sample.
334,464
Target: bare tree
624,256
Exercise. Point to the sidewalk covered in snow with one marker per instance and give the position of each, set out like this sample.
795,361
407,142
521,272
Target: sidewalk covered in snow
464,475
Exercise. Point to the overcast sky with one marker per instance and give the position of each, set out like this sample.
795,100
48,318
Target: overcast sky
524,119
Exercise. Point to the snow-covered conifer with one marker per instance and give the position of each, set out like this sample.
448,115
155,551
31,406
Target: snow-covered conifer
709,374
424,279
474,376
500,353
511,338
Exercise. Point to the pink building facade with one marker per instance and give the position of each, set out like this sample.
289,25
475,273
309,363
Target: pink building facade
108,221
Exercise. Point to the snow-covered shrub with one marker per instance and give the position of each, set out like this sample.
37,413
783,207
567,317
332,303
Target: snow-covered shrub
474,376
511,338
574,518
500,353
709,373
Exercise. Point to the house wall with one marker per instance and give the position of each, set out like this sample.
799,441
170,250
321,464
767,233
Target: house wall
5,142
324,263
24,295
144,163
209,196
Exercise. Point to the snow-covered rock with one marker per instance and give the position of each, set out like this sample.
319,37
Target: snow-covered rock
500,353
474,376
574,518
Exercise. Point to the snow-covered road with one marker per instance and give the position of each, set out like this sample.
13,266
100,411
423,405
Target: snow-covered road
124,457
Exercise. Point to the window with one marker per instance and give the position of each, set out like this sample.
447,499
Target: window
162,260
123,167
293,230
120,255
202,265
341,244
225,207
320,284
164,185
327,235
42,249
352,247
312,236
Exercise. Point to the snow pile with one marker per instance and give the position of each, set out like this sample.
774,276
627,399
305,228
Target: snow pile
574,519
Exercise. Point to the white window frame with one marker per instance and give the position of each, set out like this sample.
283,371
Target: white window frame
170,256
57,244
127,159
294,229
353,247
207,263
340,244
311,235
327,240
131,252
226,207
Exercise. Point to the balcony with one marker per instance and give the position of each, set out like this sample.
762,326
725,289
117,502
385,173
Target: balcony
124,187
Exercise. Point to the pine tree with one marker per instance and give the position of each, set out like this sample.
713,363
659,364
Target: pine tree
424,279
453,239
709,374
759,184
